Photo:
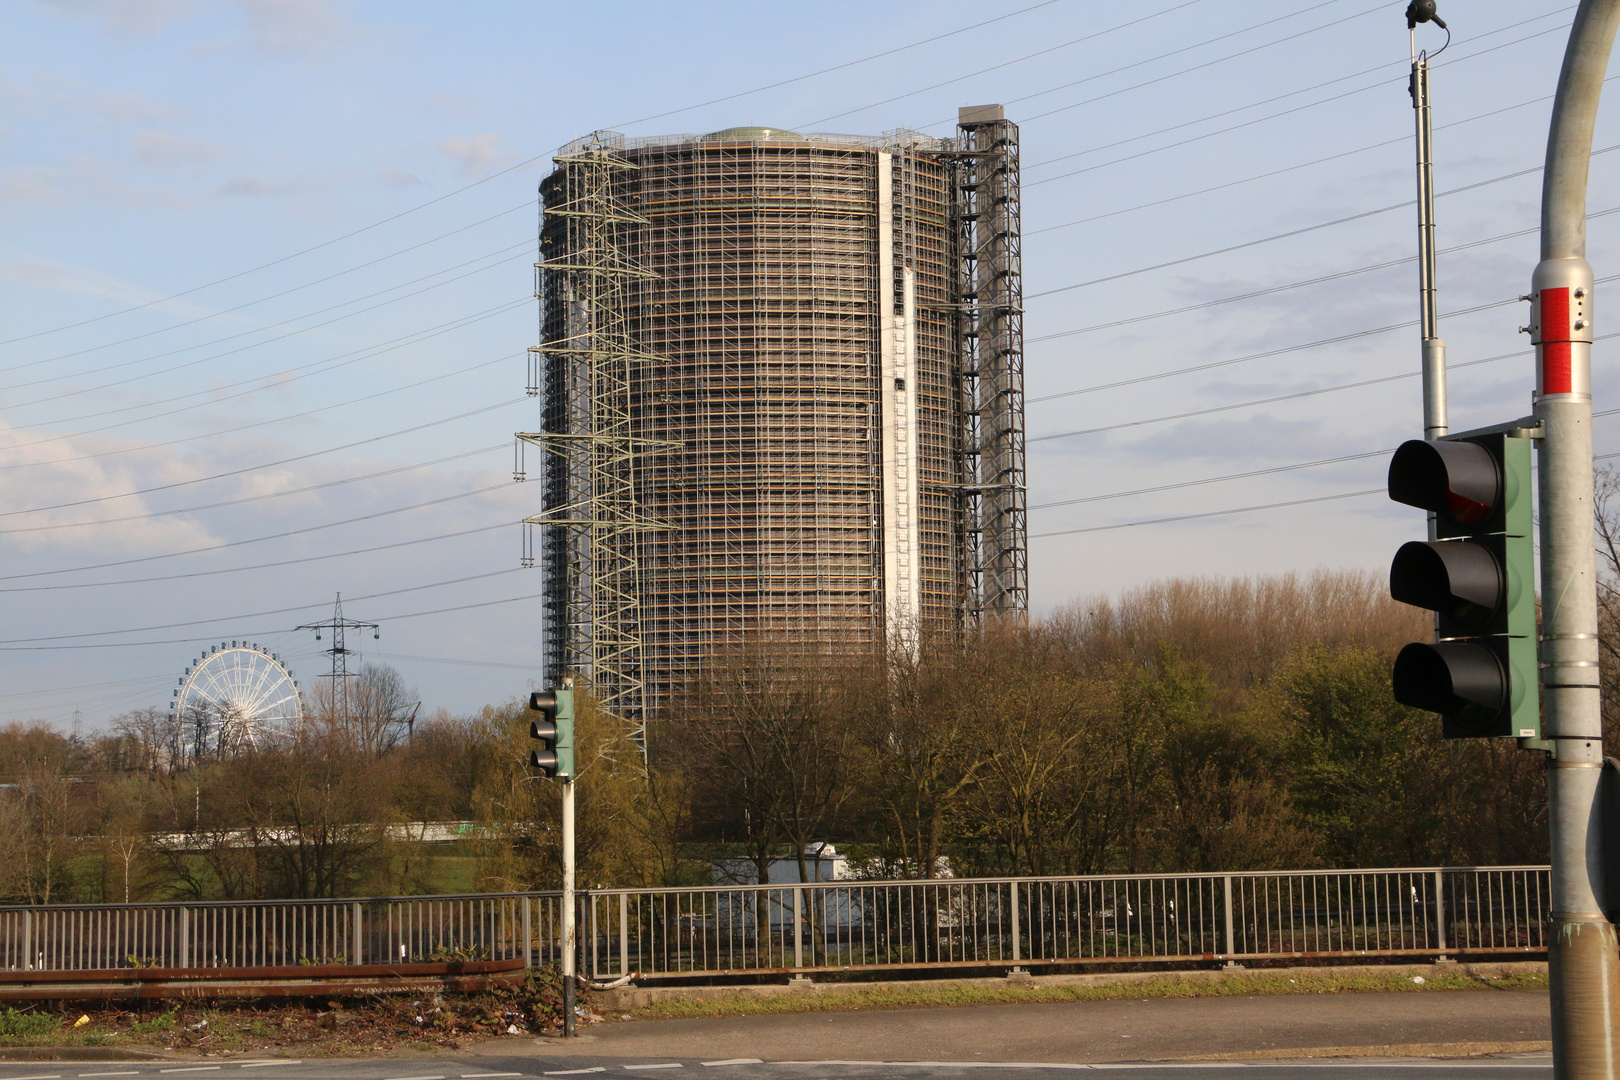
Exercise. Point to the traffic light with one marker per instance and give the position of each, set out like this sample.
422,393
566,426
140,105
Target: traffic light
555,730
1478,576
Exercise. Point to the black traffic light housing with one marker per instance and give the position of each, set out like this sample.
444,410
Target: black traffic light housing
1478,577
555,730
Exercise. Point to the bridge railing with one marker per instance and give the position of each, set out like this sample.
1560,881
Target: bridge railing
282,933
1024,922
831,925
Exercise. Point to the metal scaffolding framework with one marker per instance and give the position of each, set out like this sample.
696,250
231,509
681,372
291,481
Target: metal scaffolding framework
585,367
763,414
990,268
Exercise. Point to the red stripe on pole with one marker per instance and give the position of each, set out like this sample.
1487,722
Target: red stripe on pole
1556,367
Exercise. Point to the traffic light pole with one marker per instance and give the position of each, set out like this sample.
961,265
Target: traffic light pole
569,935
1434,346
1582,957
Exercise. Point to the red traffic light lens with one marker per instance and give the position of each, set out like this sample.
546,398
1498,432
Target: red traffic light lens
1459,481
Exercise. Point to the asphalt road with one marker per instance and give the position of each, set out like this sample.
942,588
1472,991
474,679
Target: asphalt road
1523,1067
1408,1037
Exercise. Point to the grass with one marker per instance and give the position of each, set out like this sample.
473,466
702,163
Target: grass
926,995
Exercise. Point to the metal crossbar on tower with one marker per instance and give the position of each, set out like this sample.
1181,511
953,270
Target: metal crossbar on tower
340,653
991,292
584,364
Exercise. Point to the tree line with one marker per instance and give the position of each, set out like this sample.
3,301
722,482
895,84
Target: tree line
1207,725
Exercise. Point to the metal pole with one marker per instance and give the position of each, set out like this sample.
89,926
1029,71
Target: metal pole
1582,959
568,913
1435,419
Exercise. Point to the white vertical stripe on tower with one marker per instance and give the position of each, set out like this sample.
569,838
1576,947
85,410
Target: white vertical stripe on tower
897,390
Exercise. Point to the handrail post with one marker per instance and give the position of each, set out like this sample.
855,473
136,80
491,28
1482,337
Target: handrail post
1440,912
798,927
185,937
1012,889
528,937
357,949
624,933
1231,938
28,941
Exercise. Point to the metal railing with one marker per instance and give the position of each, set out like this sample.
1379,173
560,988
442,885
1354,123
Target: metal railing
832,925
1019,922
281,933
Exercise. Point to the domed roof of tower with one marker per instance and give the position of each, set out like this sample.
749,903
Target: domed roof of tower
750,134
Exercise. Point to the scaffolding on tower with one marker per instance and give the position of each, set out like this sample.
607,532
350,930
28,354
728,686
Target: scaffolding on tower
991,292
591,521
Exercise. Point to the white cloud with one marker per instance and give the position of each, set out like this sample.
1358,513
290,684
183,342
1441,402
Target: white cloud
478,155
56,92
126,19
161,150
296,26
38,476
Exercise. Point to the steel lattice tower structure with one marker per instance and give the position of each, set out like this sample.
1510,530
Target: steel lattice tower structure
584,365
340,653
782,397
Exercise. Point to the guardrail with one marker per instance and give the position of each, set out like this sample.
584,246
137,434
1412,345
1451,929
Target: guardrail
394,930
1022,922
821,926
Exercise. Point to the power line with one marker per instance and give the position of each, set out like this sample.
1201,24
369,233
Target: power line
375,515
283,322
527,204
238,428
1294,232
263,633
1258,120
151,514
1271,290
263,614
1065,45
1181,484
1208,514
830,70
510,169
256,468
326,365
241,349
265,566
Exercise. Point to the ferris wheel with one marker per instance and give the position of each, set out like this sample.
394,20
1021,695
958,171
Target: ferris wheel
236,696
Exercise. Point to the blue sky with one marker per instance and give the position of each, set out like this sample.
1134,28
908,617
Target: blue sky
265,288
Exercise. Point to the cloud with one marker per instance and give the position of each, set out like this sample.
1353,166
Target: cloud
38,475
478,155
255,187
295,26
451,104
161,150
127,19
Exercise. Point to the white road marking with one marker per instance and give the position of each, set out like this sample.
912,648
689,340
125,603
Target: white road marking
130,1073
416,1078
194,1068
472,1076
576,1072
660,1065
736,1061
40,1076
267,1064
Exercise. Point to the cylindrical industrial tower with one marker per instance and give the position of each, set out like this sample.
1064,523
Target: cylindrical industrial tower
783,396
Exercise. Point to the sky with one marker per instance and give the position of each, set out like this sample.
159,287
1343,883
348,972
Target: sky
266,291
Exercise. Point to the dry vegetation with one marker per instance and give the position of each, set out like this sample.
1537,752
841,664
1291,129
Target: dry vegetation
1188,725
